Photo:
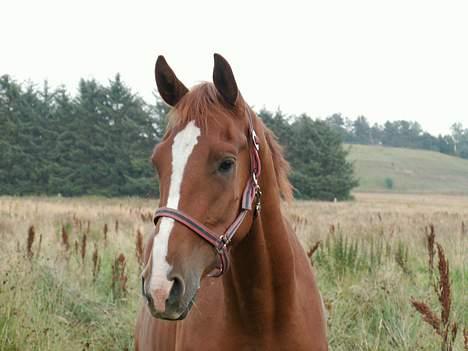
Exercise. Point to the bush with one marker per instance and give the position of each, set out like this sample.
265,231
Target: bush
389,183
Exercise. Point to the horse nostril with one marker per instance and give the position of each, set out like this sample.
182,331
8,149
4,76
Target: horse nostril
143,286
145,295
177,290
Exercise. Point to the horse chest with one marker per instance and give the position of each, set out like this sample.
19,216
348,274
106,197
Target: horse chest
214,331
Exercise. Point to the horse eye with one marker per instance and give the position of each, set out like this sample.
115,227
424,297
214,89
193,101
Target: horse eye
226,166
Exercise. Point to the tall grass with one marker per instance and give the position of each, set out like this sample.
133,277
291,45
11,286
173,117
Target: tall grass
371,258
55,298
443,325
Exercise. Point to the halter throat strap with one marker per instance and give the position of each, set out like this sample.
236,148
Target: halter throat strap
250,202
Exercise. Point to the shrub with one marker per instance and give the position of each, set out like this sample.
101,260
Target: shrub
389,184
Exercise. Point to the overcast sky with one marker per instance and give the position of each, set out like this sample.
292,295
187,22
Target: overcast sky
398,59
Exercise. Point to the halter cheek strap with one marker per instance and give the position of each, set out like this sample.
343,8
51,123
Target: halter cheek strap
250,201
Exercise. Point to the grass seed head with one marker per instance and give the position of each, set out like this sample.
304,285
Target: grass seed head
96,262
139,247
430,241
30,241
83,247
119,277
312,250
444,285
65,241
428,315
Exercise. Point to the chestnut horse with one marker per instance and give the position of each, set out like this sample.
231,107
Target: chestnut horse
215,237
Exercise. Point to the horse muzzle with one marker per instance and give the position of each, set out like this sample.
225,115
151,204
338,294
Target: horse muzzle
172,305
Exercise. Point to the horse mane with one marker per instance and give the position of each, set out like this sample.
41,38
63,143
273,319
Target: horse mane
203,101
280,164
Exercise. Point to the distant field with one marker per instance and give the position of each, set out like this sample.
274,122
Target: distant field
410,171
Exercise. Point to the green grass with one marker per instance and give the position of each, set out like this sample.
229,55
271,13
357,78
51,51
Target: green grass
410,170
366,287
46,307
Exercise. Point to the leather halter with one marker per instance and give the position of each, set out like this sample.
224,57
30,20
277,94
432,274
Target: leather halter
250,201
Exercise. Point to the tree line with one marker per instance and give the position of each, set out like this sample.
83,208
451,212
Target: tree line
96,143
99,142
400,133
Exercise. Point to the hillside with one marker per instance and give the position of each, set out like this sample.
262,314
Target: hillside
410,171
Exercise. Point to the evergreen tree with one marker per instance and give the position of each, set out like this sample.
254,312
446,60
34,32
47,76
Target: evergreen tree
338,124
318,160
315,152
10,150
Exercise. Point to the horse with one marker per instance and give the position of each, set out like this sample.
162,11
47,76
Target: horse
223,268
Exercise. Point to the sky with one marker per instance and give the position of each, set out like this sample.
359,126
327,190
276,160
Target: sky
386,60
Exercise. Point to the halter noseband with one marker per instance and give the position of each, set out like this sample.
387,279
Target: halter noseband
250,201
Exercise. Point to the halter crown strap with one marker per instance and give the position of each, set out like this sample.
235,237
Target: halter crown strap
250,201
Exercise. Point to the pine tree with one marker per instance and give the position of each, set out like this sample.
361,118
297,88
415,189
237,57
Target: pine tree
316,154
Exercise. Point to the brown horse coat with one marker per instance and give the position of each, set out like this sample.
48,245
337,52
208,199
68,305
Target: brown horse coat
268,299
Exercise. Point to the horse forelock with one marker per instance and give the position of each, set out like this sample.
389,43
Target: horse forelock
201,103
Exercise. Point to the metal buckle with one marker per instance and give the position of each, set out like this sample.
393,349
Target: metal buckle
223,244
258,194
255,139
258,204
255,181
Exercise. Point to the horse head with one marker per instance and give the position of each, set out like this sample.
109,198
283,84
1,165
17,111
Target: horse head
207,164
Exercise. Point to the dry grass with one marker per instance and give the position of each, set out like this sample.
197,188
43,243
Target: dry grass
370,255
394,217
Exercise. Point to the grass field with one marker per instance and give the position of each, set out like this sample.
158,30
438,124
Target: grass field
410,170
61,292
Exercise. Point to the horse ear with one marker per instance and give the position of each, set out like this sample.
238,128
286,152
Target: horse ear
170,87
223,79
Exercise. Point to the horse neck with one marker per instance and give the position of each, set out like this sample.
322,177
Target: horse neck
261,280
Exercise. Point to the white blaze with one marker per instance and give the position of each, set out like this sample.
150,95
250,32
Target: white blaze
182,148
